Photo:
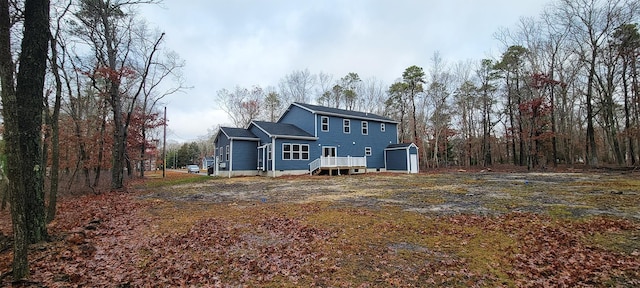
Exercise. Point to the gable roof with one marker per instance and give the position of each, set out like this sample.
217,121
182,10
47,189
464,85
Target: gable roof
238,134
282,130
322,110
400,146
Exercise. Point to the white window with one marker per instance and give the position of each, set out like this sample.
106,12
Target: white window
324,123
346,126
365,127
295,151
269,152
367,151
227,155
382,127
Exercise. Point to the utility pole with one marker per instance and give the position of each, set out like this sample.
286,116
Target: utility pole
164,144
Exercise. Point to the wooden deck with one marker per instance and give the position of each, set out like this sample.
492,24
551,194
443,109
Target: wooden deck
337,164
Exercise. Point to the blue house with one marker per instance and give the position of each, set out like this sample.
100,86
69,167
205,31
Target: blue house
314,139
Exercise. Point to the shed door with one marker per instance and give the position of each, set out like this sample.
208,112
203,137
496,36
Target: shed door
413,159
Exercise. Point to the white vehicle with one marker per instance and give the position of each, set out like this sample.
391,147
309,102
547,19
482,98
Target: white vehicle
193,168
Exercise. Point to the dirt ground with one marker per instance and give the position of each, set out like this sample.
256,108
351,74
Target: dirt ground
444,229
482,193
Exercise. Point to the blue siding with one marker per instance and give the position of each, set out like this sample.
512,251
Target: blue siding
354,143
299,117
282,164
264,139
222,141
397,160
245,155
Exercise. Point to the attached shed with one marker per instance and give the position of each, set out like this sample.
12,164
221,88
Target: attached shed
401,158
237,151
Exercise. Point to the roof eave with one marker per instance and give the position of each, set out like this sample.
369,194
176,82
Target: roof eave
356,117
295,137
245,138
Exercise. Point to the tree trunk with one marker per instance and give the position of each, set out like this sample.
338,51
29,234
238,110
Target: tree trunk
55,137
29,89
592,153
511,120
627,114
103,127
11,136
22,112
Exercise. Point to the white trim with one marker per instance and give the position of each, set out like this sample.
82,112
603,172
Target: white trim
408,161
344,122
404,147
230,157
335,148
236,138
362,127
315,125
273,156
322,123
300,152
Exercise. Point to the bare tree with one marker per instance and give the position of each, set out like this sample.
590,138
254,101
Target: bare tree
373,96
52,117
590,22
106,27
437,95
241,105
297,86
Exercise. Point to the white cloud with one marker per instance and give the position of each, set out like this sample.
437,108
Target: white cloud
253,42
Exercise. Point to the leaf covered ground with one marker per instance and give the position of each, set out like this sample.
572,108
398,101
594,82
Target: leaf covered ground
448,229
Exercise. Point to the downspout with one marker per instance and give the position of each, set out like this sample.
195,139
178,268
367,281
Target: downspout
230,157
273,156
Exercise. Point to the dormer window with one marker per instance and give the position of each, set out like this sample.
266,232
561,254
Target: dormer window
324,123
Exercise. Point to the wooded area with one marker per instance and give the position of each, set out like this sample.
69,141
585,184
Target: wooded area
564,91
97,67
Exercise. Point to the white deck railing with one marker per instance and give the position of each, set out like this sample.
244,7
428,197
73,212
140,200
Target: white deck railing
328,162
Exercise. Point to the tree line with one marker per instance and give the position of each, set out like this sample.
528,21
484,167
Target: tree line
563,91
82,82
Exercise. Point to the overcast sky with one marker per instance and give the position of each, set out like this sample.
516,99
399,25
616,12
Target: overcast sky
257,42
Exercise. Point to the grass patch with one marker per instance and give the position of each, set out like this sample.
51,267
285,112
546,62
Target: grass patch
155,180
558,211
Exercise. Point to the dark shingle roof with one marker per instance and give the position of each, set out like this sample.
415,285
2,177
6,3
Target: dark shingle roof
345,113
399,146
282,129
238,133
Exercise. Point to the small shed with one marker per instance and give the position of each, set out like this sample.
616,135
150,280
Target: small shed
208,161
401,158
